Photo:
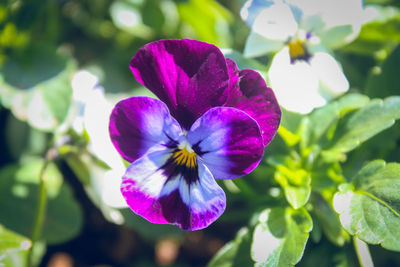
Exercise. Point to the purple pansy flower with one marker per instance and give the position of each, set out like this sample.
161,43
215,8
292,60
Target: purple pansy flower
213,122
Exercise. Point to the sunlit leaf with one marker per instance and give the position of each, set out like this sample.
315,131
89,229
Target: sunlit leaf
280,237
296,184
383,30
373,118
208,18
13,248
322,119
369,207
18,200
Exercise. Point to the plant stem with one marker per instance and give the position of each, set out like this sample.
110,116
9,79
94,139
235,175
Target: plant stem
41,206
362,251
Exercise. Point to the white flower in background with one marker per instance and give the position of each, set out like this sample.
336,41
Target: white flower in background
303,74
93,113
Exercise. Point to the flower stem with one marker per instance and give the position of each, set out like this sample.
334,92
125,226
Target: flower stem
41,206
362,251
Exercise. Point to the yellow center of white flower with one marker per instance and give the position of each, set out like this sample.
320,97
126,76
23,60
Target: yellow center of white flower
297,49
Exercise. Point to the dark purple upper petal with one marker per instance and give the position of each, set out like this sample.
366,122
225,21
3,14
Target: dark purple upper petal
253,96
227,141
192,76
140,123
188,75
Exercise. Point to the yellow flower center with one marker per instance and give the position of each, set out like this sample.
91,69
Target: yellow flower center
297,49
183,157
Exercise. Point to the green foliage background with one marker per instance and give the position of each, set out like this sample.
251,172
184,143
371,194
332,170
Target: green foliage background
329,181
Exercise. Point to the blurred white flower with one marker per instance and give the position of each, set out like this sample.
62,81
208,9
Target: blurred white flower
92,113
303,74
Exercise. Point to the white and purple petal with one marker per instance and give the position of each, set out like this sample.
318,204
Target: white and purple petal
227,141
138,124
161,196
188,75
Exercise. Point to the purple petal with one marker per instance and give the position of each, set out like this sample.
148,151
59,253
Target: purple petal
228,142
233,73
154,194
188,75
140,123
258,101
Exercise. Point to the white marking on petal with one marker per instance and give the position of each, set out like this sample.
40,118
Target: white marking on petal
205,193
147,174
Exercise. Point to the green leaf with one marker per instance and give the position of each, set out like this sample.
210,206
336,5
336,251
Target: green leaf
13,248
152,14
280,237
296,184
373,118
18,198
323,119
209,20
386,81
369,207
329,220
234,253
128,18
79,167
36,87
387,29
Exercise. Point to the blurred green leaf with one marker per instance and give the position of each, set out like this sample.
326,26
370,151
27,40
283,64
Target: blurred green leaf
369,207
13,248
36,86
209,20
386,81
326,175
153,15
234,253
373,118
291,120
383,30
382,2
280,237
79,167
128,18
18,198
290,138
